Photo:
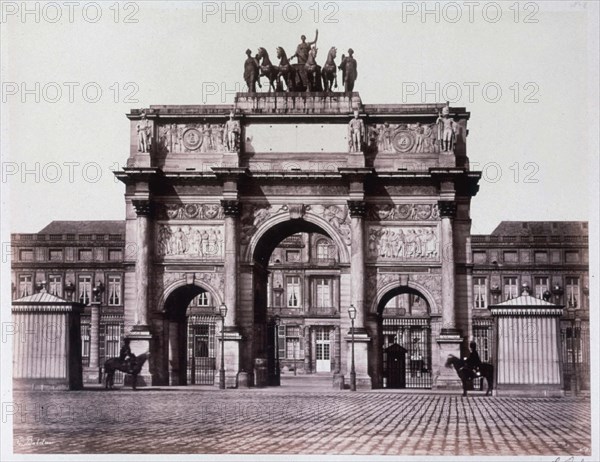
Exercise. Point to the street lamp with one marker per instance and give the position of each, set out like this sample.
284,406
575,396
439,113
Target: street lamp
352,314
276,346
222,313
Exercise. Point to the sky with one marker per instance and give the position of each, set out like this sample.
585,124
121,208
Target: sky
526,73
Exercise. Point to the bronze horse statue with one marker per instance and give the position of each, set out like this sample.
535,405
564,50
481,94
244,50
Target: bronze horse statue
466,375
116,364
329,70
285,70
313,71
267,69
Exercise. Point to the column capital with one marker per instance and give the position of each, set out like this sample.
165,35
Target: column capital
447,209
231,208
357,209
143,207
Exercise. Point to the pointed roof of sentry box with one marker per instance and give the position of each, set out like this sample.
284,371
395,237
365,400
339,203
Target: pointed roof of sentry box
41,297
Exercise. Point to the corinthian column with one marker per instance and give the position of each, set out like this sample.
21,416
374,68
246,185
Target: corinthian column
357,341
231,208
449,339
447,213
357,260
231,336
142,209
140,335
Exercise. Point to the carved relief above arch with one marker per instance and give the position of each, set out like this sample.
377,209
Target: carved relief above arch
211,282
332,219
428,285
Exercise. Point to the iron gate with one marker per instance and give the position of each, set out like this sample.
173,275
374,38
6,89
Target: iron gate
201,361
413,336
575,341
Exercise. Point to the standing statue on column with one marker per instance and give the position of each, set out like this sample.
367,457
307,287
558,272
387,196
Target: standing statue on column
303,48
356,133
446,130
349,70
232,133
251,72
143,132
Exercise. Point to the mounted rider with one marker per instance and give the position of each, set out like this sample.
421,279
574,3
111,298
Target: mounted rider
473,362
127,357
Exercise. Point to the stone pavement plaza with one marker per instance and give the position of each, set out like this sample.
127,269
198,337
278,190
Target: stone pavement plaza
282,420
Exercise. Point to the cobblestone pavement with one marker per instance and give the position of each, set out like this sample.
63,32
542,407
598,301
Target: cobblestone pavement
201,420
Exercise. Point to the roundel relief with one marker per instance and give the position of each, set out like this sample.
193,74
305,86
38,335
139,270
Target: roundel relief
192,139
404,141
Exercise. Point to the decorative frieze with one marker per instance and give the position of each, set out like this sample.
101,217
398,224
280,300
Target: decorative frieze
403,243
403,212
193,211
190,241
404,138
197,137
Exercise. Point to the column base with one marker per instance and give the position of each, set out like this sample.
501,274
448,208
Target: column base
232,358
140,338
361,359
449,343
91,375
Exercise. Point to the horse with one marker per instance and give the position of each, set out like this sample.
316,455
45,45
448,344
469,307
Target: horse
285,70
267,69
465,374
313,71
329,70
116,364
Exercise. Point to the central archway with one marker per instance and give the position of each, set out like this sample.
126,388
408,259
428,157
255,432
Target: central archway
297,334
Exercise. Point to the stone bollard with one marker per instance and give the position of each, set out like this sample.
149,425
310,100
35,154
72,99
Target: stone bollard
338,381
260,372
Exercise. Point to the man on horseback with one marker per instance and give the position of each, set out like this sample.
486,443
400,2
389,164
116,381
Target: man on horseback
127,357
473,361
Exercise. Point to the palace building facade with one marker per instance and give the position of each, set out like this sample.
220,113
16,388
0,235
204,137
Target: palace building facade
288,209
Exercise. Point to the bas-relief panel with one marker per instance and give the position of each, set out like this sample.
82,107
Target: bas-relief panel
403,243
196,137
190,241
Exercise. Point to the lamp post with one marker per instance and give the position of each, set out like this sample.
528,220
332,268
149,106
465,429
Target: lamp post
352,314
276,346
222,313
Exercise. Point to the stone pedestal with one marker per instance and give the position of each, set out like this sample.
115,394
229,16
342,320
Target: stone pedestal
232,358
140,337
447,378
361,360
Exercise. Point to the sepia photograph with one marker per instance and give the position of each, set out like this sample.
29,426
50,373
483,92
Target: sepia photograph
311,230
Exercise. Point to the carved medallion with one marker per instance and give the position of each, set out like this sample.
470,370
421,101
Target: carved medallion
404,141
192,139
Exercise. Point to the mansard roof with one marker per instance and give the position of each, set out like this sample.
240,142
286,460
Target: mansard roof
85,227
538,228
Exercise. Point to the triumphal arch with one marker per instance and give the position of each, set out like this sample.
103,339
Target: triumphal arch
211,191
